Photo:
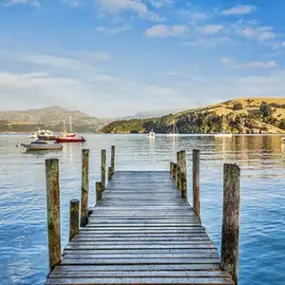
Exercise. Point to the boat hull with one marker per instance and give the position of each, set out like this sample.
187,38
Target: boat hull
46,138
70,140
34,147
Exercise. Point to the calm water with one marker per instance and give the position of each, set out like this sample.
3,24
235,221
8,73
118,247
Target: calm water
23,236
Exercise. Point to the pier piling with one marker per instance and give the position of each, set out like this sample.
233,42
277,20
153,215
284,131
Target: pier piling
84,188
113,153
73,218
53,211
230,228
103,168
98,191
196,181
183,174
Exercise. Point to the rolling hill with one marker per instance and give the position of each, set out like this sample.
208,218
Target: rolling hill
246,115
51,118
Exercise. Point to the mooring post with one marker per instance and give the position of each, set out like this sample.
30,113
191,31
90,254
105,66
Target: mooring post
98,191
183,175
103,168
73,218
178,170
53,211
196,181
174,170
84,188
110,172
230,229
171,168
113,153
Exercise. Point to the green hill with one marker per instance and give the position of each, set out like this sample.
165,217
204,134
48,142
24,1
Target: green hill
249,115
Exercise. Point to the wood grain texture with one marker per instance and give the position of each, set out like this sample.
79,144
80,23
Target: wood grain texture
230,228
53,211
73,218
141,232
84,187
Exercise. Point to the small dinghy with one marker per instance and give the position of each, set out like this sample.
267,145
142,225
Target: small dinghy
42,145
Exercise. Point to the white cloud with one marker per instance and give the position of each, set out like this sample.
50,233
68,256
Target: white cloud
239,10
208,42
257,33
33,3
115,31
161,3
117,6
251,64
211,29
164,31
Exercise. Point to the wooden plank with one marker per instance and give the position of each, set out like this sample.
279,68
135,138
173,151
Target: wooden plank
175,281
119,261
140,274
139,267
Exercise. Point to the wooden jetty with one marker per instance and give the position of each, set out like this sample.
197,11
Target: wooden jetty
142,229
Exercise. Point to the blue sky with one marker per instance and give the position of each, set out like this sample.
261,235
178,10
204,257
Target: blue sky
113,58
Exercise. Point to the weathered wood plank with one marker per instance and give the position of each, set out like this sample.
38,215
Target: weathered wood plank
174,281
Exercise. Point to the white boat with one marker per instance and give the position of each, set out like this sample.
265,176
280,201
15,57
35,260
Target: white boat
41,145
43,135
174,132
151,134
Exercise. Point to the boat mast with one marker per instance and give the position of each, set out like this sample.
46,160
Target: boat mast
70,124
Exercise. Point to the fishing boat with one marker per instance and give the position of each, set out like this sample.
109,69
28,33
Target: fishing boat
151,134
174,132
41,145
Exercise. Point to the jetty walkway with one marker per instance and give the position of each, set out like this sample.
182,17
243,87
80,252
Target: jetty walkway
142,230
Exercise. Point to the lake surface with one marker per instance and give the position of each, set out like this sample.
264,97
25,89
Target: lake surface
23,231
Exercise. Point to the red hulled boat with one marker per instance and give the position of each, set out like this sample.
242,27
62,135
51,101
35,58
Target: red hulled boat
70,139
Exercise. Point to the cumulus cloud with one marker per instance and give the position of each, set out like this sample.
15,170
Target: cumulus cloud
239,10
116,6
164,31
211,29
257,33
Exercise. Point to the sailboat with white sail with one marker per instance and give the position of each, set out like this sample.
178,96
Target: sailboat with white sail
174,132
223,133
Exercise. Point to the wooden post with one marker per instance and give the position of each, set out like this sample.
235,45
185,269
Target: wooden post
177,169
103,168
53,212
84,188
171,168
196,181
113,152
98,191
110,173
73,218
230,230
174,170
183,175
